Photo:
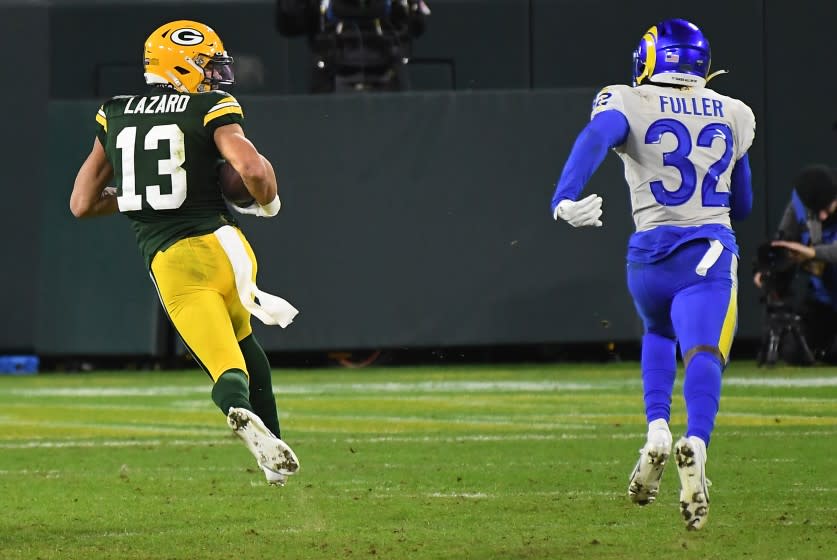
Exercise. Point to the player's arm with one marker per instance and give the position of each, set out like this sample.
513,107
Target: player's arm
255,170
741,189
91,195
606,130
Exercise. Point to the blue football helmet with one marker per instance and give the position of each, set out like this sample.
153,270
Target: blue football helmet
672,52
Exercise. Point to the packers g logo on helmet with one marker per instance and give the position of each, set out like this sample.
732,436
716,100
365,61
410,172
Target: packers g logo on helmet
187,36
187,55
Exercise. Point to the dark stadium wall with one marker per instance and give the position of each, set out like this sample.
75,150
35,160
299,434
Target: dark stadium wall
24,38
799,123
409,219
95,293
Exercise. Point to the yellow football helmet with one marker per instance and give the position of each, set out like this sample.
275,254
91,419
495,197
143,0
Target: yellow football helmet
187,55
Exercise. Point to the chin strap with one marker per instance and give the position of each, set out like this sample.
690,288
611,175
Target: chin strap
716,73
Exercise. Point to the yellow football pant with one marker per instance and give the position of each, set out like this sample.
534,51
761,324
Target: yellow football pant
195,282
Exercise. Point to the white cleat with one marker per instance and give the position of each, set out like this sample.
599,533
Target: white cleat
274,478
644,482
690,453
274,457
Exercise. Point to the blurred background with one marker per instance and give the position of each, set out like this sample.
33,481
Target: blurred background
415,222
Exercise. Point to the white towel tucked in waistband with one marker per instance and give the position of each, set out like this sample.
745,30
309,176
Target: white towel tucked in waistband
710,257
270,309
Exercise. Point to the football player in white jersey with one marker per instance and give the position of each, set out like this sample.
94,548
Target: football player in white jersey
684,149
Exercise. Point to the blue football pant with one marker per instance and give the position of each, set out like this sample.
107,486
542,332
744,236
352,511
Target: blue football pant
679,306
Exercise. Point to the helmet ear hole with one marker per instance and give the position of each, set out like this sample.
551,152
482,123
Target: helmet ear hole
180,70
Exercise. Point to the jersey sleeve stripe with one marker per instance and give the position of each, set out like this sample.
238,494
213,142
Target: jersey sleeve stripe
222,105
221,112
102,119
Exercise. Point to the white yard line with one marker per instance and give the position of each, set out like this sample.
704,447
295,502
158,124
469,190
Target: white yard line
416,387
781,381
60,444
222,439
105,426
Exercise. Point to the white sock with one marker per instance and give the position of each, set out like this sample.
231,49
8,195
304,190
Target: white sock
658,424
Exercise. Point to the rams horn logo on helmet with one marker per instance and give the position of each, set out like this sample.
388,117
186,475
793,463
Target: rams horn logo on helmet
187,36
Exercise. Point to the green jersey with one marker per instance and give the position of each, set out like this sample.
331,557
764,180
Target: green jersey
165,162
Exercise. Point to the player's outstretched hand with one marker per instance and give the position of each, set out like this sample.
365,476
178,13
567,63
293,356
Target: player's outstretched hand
581,213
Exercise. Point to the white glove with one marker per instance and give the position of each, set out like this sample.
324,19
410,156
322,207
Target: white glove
580,213
255,209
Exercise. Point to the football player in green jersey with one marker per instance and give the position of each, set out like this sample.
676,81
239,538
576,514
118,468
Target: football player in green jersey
163,150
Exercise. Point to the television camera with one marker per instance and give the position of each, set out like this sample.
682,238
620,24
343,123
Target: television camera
358,45
777,270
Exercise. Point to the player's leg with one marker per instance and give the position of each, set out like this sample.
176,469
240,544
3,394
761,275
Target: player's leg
651,292
651,289
199,315
262,400
261,386
704,316
191,277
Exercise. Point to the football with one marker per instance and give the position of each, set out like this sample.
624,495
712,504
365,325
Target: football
232,187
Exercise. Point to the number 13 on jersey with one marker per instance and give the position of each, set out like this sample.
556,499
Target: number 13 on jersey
129,200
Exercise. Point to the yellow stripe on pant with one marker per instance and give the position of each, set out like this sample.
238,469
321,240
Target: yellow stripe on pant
196,285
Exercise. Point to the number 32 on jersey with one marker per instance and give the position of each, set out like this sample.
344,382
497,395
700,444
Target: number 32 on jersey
679,159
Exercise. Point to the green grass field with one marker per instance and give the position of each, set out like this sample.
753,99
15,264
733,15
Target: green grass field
477,462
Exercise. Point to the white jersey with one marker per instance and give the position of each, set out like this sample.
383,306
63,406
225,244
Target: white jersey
680,151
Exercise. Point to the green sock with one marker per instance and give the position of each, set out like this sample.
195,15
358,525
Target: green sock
261,386
231,391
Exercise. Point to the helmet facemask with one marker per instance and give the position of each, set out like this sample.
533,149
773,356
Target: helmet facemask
217,72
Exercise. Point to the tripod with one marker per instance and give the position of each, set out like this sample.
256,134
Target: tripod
783,321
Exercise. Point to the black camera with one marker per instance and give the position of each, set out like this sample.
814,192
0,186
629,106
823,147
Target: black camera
358,45
777,269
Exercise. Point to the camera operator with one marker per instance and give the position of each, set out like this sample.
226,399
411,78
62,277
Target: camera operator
358,45
807,235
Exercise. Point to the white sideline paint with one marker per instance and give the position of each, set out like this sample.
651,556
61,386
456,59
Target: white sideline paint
46,444
325,388
415,387
156,391
781,381
556,437
476,495
39,444
174,430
